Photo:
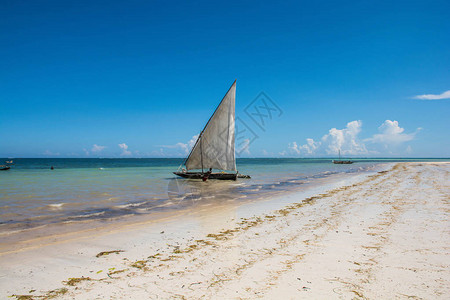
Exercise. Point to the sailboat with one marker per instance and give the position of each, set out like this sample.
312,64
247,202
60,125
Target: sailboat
342,162
213,154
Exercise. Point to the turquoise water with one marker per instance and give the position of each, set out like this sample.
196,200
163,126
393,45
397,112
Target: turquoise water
80,189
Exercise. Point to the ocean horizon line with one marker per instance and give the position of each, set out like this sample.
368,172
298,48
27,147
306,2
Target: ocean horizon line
238,158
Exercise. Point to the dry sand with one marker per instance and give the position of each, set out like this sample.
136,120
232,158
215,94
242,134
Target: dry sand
385,237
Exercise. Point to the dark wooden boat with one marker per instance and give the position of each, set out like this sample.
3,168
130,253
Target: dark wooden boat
213,154
200,175
4,168
342,162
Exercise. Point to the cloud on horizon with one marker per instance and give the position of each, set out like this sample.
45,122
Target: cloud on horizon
180,148
49,153
444,95
97,148
124,148
389,140
392,133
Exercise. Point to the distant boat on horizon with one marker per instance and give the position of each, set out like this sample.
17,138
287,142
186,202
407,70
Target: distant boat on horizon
6,166
214,150
342,162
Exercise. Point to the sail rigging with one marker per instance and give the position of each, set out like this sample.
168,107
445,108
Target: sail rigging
214,147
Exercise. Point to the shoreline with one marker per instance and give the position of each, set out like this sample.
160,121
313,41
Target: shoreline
46,234
261,245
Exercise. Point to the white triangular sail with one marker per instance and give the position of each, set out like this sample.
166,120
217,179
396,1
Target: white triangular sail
215,145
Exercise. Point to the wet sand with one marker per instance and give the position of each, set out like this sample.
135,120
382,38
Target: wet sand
386,236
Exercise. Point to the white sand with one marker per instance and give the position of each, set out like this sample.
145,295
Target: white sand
385,237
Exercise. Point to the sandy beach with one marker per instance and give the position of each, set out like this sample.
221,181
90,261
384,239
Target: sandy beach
383,236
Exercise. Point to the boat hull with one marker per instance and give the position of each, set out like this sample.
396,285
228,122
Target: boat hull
342,162
199,175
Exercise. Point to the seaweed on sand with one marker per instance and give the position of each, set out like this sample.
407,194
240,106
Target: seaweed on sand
75,280
117,271
203,242
49,295
56,293
23,297
140,264
103,253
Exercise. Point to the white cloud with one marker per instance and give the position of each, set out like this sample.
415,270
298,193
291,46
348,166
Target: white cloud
282,153
308,148
184,147
49,153
158,153
124,148
97,148
293,147
192,141
444,95
391,134
347,141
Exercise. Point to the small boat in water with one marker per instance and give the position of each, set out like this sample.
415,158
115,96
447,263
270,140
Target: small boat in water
6,166
214,149
342,162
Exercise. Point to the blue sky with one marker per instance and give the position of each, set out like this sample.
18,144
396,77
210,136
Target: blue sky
141,78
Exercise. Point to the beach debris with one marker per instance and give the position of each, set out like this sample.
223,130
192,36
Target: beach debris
73,281
22,297
283,212
55,293
170,257
140,264
51,294
177,250
223,235
358,294
117,271
103,253
155,255
203,242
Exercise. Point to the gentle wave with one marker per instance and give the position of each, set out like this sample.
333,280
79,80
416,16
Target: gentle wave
83,194
56,205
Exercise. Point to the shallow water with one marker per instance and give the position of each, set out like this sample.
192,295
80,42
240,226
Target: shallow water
76,190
